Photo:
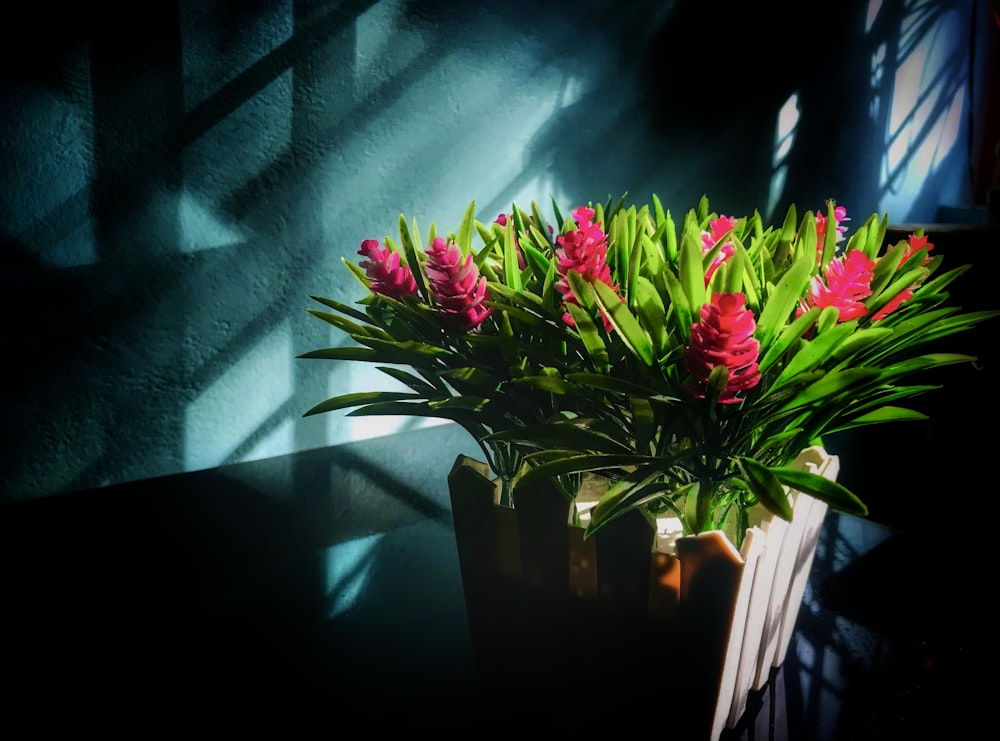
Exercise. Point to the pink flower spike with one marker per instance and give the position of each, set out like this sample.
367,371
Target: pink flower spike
839,216
845,284
894,303
456,285
583,216
383,268
724,336
584,251
914,243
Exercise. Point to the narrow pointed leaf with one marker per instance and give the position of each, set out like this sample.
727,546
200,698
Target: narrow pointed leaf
625,324
836,495
365,397
766,486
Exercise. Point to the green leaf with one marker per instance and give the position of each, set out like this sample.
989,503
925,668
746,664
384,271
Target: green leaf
692,273
652,315
836,495
830,384
410,351
365,397
583,290
590,335
561,435
464,236
811,354
511,269
736,267
420,385
343,309
613,384
635,253
642,422
791,334
536,260
626,494
860,341
623,322
547,383
573,462
409,250
472,403
882,415
830,238
357,272
782,300
472,376
352,328
345,353
766,486
681,306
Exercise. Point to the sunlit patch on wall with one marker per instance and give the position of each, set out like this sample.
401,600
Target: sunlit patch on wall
348,566
380,51
239,401
874,6
927,109
236,149
875,81
784,138
278,442
200,229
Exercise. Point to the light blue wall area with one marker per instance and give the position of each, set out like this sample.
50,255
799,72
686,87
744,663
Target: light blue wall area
179,179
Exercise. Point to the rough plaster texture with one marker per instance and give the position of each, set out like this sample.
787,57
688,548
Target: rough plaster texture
178,179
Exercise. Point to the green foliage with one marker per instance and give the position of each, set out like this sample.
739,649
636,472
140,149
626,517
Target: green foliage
552,389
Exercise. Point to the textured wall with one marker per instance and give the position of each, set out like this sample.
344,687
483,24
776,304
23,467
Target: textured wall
178,179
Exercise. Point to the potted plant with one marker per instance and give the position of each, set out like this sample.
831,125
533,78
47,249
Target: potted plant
650,397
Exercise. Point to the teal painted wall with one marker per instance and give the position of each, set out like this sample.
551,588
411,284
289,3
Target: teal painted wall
177,180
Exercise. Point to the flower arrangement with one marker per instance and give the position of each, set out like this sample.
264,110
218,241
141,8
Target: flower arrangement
684,364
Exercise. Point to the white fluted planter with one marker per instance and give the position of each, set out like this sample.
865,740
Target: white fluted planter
692,616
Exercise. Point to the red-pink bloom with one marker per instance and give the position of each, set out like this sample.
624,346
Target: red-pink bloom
724,336
384,270
457,287
894,303
846,282
585,251
839,216
913,244
709,239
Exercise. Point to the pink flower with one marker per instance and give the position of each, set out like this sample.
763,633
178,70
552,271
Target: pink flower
894,303
709,239
845,284
839,216
724,336
913,244
384,270
585,251
458,289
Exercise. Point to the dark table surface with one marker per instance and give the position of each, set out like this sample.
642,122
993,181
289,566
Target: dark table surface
321,591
